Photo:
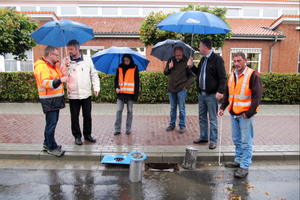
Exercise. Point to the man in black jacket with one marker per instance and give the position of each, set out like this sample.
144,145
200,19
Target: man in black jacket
211,83
180,79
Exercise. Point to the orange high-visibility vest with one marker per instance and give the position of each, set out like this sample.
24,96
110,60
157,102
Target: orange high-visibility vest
126,84
239,93
45,73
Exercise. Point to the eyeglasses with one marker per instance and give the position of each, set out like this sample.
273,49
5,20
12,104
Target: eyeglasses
54,54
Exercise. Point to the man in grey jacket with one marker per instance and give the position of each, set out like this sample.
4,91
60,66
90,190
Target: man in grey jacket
82,75
180,79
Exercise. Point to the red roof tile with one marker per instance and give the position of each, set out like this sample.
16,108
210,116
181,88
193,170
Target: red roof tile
285,16
121,25
132,25
110,24
251,27
40,13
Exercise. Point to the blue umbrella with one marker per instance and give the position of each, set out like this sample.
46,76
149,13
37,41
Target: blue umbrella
194,22
108,60
59,33
165,49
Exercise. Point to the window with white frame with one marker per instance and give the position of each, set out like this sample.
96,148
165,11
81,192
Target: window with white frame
141,50
12,65
90,50
232,12
28,8
89,10
147,11
109,11
290,12
251,12
198,56
253,57
70,10
130,11
49,8
270,13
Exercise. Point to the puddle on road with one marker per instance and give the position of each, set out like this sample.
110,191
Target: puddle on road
212,184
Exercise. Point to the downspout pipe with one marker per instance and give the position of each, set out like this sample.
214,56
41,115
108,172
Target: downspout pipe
271,54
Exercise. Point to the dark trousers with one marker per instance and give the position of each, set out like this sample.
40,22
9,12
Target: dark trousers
51,122
86,105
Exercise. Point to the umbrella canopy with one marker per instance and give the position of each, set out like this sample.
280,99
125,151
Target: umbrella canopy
165,49
59,33
194,22
108,60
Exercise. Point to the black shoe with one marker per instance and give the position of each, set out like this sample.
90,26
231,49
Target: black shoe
170,128
116,133
128,132
241,173
232,164
181,130
78,141
90,138
200,141
212,145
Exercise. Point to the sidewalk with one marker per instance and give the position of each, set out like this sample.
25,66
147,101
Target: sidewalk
276,134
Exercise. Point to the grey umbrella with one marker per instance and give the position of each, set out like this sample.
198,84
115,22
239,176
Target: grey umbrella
165,49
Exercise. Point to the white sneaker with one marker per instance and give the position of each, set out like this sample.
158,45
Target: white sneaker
56,152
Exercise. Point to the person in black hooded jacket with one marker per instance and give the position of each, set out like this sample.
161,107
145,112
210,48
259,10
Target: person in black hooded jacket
127,88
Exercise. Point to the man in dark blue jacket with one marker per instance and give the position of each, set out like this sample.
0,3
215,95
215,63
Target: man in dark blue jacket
211,83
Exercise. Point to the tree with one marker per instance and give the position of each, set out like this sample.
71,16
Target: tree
150,34
15,30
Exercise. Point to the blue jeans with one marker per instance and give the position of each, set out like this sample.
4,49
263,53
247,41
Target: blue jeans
178,98
120,106
51,122
242,136
208,104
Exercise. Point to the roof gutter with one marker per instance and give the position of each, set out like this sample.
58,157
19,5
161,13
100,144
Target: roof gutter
271,54
257,37
116,35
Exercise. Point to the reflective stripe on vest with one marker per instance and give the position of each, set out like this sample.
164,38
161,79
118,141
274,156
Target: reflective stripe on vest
239,92
126,84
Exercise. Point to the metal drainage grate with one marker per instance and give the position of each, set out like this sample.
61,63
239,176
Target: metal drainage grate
119,159
137,155
161,167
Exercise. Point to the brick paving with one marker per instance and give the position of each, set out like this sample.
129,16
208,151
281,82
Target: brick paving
148,128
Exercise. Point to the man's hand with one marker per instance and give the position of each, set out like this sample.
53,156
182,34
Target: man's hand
244,116
63,69
67,61
219,95
220,113
64,79
171,65
96,93
117,90
190,62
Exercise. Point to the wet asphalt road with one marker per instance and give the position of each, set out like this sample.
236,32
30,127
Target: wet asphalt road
109,184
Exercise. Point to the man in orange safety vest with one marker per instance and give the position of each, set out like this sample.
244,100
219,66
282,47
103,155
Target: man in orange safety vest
243,95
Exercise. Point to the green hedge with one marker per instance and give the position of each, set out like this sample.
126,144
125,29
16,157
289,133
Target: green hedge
21,86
